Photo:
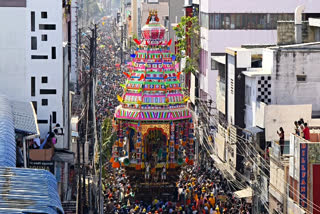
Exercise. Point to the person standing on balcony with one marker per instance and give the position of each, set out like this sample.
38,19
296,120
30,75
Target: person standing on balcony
306,132
296,128
301,127
281,140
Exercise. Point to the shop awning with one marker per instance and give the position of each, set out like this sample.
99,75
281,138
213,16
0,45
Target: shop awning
245,193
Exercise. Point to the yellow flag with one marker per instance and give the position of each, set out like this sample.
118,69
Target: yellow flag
119,98
186,99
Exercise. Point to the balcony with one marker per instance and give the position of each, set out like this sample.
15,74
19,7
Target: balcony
41,154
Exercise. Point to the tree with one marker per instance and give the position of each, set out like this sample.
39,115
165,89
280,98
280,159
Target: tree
108,138
188,30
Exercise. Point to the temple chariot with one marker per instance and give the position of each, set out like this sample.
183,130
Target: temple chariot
153,123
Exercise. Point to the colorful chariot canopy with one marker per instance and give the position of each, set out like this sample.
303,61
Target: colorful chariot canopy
153,91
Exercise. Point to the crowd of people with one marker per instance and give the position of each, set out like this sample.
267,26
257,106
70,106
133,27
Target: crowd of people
199,190
109,76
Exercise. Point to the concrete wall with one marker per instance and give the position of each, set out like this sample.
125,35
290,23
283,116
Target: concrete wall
286,33
258,6
289,62
276,116
176,11
221,101
74,42
277,177
216,41
250,113
13,53
231,84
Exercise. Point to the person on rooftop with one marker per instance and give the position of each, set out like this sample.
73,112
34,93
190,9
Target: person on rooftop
301,127
306,132
281,140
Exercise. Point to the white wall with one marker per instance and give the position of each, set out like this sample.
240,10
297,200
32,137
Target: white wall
231,97
249,117
277,116
285,87
211,83
12,53
216,41
52,68
74,40
258,6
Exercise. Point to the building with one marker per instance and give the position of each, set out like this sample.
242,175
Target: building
233,23
176,11
36,66
32,60
293,178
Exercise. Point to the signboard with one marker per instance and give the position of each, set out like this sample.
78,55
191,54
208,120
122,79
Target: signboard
153,1
69,207
303,174
46,165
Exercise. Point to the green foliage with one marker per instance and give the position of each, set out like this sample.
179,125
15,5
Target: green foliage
108,138
188,29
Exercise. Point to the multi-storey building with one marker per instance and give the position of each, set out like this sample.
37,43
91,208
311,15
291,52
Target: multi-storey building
233,23
34,64
35,58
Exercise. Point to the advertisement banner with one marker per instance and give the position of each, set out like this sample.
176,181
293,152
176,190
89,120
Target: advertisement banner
303,174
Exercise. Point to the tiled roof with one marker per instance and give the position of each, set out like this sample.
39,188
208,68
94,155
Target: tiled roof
24,117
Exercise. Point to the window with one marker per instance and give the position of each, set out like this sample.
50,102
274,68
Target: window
33,86
53,53
44,102
44,37
39,57
54,117
44,79
32,21
34,103
301,78
44,15
33,43
47,27
42,121
48,91
256,21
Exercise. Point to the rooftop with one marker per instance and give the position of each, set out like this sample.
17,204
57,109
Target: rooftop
24,117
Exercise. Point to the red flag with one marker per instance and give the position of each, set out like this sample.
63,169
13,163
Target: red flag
169,43
137,41
126,74
165,76
178,75
141,77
